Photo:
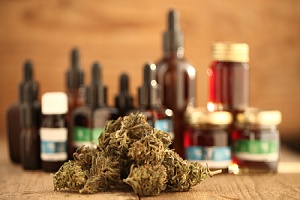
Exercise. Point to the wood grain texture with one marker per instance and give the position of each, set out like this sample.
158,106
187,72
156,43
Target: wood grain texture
123,35
16,183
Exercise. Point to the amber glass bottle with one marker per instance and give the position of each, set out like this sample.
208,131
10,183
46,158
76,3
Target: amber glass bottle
30,124
89,119
123,101
13,116
158,116
53,131
75,92
176,77
228,77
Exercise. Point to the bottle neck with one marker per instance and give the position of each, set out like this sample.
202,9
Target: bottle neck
171,53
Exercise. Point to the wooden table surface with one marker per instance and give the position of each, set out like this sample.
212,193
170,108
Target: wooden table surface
16,183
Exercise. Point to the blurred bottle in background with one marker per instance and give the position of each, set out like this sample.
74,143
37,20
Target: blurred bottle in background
176,76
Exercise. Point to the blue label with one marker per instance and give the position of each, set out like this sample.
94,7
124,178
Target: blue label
51,147
208,153
164,125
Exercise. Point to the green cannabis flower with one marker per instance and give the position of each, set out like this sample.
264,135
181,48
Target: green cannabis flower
69,176
147,180
130,152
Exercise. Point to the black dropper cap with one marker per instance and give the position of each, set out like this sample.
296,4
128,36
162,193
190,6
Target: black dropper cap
74,76
29,109
96,91
173,37
124,101
29,94
148,92
27,77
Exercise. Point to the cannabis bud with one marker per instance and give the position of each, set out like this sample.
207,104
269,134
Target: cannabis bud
130,152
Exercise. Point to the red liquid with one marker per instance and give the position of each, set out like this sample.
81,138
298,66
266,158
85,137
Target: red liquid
229,85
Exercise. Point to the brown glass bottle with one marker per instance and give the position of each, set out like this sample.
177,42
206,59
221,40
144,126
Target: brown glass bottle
228,77
88,120
53,131
255,142
30,124
13,116
75,92
176,77
158,116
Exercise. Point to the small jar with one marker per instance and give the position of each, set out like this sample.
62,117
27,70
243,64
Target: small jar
206,138
228,77
255,142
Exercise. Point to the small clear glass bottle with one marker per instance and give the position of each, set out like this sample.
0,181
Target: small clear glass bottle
54,132
228,77
255,142
207,138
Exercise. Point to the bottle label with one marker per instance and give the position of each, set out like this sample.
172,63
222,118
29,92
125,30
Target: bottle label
165,125
257,150
54,144
215,157
81,136
96,132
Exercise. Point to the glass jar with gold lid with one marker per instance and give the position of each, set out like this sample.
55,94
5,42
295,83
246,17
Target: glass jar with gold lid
255,141
206,137
228,77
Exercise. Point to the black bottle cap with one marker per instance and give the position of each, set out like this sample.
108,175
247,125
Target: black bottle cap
74,76
173,37
148,92
96,91
124,101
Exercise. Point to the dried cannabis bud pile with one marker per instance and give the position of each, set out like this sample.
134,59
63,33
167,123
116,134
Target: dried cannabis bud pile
132,152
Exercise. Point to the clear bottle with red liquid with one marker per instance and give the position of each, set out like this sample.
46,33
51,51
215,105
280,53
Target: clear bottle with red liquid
255,142
176,76
228,77
207,138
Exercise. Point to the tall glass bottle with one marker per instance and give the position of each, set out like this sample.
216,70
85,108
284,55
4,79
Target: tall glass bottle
13,116
30,124
176,76
84,118
158,116
75,92
54,132
102,112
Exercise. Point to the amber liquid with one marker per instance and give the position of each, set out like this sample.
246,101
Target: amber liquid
177,80
251,166
228,85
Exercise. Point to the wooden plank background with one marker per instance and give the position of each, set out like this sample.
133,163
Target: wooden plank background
123,35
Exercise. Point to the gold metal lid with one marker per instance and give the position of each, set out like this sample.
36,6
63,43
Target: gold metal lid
234,52
199,116
260,117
